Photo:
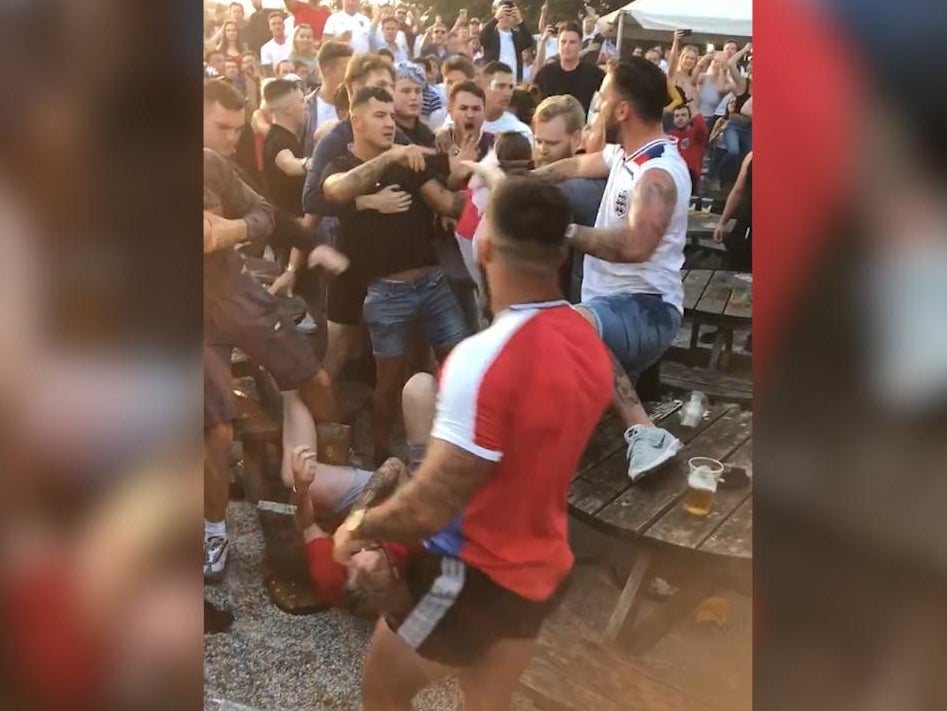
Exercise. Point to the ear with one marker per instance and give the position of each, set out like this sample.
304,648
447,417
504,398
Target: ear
576,141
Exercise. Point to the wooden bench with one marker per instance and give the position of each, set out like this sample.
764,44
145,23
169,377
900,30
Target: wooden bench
717,298
648,515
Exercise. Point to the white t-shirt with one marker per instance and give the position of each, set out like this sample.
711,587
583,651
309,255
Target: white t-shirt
360,26
401,42
325,112
508,50
272,53
661,274
552,47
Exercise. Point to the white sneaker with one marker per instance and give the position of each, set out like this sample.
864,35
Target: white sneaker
648,449
215,558
307,325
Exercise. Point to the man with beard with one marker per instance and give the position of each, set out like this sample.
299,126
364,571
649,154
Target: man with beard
631,288
558,124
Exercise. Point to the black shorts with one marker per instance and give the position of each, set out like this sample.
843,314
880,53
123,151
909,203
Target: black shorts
345,298
459,612
250,319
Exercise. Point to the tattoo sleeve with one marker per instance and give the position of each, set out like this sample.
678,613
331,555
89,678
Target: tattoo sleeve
559,171
345,187
383,483
441,200
439,490
625,394
651,210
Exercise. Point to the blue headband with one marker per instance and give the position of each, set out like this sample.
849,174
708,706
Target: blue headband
410,70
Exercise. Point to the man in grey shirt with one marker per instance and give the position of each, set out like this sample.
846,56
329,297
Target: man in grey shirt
239,312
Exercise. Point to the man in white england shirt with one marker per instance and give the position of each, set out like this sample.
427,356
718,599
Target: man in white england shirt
631,290
349,25
279,48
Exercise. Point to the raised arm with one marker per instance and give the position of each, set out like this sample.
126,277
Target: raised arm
733,199
635,241
739,81
674,55
586,165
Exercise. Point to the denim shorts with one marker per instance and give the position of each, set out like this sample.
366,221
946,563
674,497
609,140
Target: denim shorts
392,306
637,328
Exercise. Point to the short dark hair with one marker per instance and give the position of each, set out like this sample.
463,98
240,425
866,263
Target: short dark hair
513,151
275,14
385,52
240,5
220,91
731,41
331,50
642,84
277,89
496,68
571,27
367,93
469,86
341,100
684,107
528,212
460,63
390,19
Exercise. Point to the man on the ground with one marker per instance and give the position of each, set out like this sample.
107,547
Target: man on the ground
568,75
394,253
631,287
489,500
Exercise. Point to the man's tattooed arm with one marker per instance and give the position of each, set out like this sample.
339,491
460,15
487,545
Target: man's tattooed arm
441,200
345,187
651,210
383,483
587,165
447,480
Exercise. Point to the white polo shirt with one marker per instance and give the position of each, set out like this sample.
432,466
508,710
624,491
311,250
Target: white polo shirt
272,53
661,274
360,26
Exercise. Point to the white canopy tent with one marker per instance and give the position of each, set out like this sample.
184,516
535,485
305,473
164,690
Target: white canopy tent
712,17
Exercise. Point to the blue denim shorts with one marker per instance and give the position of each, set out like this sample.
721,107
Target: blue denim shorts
392,306
637,328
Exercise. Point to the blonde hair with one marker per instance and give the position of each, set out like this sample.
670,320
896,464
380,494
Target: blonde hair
564,105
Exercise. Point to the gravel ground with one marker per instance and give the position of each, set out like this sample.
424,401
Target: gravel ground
277,662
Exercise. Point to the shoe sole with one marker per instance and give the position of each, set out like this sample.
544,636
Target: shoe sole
215,577
666,456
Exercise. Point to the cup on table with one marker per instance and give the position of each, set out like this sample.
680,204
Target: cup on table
702,478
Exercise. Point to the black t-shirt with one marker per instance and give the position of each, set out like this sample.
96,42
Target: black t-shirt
378,244
582,82
420,135
284,191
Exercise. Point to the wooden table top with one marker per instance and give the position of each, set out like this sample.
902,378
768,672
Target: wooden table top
704,223
603,496
716,293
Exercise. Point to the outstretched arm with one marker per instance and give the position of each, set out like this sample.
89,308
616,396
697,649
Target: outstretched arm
636,240
587,165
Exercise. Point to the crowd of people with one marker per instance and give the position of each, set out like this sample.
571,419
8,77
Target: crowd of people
507,212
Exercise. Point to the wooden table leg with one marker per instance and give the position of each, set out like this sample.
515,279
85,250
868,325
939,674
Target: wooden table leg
723,343
628,595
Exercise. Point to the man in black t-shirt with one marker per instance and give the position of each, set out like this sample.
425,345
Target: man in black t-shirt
394,253
569,75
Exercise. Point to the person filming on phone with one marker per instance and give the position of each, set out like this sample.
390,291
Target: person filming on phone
504,38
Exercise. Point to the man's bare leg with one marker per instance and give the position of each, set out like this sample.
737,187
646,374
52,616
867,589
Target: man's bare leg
418,405
343,345
218,440
489,684
394,673
625,398
318,397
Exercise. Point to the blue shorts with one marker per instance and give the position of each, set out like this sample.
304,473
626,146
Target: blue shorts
637,328
392,306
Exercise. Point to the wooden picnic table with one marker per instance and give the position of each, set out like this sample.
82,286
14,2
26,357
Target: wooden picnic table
715,297
700,231
649,513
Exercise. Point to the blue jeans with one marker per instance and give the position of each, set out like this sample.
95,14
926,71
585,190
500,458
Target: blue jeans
738,138
392,306
637,328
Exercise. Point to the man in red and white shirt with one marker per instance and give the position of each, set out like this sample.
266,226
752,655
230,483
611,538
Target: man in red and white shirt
516,406
691,134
